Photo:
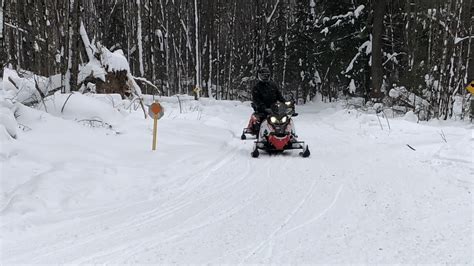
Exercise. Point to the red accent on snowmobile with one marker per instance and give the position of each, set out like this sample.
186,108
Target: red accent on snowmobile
278,142
253,120
252,127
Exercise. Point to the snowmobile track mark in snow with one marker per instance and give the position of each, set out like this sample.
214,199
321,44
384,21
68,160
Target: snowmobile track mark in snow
273,235
316,217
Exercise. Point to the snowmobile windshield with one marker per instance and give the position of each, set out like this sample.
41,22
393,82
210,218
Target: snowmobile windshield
280,114
281,109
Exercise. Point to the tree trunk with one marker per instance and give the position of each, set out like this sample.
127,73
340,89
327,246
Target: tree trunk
377,31
75,45
3,52
139,38
1,19
443,84
469,76
198,54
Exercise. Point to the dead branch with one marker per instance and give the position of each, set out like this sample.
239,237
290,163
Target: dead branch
143,107
13,82
380,123
443,136
64,105
386,118
149,83
38,88
40,93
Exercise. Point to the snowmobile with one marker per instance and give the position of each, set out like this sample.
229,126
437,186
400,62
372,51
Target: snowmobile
253,126
276,133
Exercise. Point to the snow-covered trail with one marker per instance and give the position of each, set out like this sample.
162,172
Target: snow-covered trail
93,196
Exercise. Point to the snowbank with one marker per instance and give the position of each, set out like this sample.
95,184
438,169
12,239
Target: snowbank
24,88
80,107
8,124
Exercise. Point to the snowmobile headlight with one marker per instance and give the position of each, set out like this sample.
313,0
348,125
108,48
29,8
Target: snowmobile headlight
288,103
273,119
284,119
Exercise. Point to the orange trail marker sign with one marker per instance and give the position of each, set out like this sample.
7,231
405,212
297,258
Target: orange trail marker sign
155,111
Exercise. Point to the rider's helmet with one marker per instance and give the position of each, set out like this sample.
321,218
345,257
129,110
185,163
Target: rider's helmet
264,74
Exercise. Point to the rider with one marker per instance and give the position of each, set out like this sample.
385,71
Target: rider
265,93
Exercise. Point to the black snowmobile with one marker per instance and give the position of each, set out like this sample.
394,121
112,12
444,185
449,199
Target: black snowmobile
276,133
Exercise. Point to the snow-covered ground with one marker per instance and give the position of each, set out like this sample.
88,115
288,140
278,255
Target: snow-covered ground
90,192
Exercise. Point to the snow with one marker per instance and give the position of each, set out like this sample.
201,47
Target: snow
410,116
347,15
159,33
269,18
80,107
391,57
367,46
397,92
325,31
24,89
8,124
108,62
459,39
83,193
92,68
457,106
352,86
317,77
351,64
358,11
90,49
116,61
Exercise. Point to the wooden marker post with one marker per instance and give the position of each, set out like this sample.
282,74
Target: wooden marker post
156,111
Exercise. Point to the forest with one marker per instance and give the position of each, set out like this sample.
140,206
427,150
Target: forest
410,55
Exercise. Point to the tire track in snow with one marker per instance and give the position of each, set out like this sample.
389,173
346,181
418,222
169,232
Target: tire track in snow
134,222
244,175
277,233
149,218
270,238
176,232
317,217
218,190
216,219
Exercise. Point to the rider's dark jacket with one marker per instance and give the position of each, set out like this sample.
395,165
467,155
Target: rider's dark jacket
264,95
